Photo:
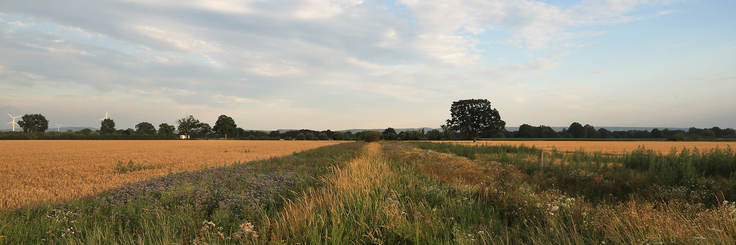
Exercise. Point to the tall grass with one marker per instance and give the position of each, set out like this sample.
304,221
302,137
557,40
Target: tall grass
707,176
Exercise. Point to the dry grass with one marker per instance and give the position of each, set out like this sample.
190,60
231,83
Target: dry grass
38,171
614,147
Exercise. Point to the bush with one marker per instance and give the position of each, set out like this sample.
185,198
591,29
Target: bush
300,136
338,136
371,136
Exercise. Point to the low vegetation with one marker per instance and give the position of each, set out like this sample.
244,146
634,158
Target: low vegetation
398,193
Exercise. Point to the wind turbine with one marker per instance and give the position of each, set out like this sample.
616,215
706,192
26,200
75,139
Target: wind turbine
104,117
58,126
13,122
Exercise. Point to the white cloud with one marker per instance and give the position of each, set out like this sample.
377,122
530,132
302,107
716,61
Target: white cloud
21,24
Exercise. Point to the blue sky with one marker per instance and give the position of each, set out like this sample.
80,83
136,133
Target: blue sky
342,64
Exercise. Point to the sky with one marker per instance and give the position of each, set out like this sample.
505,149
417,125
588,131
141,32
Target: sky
346,64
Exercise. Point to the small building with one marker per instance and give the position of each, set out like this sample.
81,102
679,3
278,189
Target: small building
184,136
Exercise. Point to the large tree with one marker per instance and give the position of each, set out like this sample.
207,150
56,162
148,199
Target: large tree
225,125
187,125
166,129
145,128
107,126
32,123
473,117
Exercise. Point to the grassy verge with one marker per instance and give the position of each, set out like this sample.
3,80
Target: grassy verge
221,205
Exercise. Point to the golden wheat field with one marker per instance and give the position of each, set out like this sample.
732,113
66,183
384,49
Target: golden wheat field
614,147
36,171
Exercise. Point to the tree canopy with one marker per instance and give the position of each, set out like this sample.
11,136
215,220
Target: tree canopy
225,125
33,123
166,129
204,128
473,117
188,124
107,126
145,128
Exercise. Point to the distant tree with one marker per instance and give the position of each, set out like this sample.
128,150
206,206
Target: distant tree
274,134
718,131
301,136
204,128
145,128
677,137
225,125
187,125
389,134
547,132
166,129
239,132
590,131
349,135
338,136
33,123
694,130
310,136
729,132
129,131
577,130
434,134
656,133
474,116
371,136
411,135
708,133
323,136
604,133
85,131
107,126
447,132
526,131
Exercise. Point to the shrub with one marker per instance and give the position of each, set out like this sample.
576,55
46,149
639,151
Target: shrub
371,136
300,136
323,136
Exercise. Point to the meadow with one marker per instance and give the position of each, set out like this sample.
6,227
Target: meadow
37,171
406,193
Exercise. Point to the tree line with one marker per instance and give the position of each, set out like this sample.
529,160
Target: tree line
471,119
579,131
